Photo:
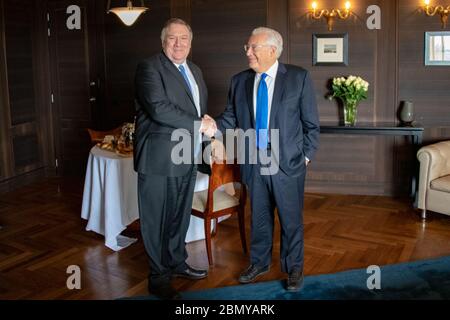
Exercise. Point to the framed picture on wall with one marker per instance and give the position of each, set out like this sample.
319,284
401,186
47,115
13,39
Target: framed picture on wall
330,49
437,48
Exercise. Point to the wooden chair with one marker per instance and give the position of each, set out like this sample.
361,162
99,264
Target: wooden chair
98,136
216,202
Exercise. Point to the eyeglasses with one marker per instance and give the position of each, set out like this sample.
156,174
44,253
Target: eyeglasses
255,47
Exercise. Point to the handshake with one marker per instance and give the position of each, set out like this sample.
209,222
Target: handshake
208,126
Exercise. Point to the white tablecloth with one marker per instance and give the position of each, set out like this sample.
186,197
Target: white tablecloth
110,198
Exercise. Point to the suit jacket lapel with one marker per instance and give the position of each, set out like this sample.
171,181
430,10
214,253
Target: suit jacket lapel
177,74
249,85
277,92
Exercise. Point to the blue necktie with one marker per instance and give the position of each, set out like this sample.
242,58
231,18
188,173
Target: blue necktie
183,72
262,111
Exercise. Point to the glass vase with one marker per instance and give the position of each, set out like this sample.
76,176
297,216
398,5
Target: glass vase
350,109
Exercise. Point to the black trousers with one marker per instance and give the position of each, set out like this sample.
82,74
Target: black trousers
165,205
286,193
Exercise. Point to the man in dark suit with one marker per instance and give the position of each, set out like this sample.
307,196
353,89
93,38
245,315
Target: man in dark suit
170,96
278,101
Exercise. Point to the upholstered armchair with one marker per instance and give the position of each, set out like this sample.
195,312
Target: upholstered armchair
434,179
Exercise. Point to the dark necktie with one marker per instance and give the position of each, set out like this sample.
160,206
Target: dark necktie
262,111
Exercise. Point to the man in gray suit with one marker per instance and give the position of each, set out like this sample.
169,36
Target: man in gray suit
170,96
272,97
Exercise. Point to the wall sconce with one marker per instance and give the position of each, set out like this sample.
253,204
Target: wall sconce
431,11
129,14
330,15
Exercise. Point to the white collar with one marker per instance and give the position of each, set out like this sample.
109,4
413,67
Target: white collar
272,72
184,64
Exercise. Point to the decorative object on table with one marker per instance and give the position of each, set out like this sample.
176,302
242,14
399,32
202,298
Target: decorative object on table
128,133
350,91
108,139
108,143
406,112
125,142
121,143
437,48
330,49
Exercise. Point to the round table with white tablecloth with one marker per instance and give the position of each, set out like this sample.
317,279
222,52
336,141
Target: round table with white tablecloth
110,201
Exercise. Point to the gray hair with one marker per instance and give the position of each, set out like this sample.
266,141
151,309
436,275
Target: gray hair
174,21
274,38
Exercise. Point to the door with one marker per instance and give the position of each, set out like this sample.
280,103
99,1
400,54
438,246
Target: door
74,83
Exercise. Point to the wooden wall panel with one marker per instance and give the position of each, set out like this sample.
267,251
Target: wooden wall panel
362,56
428,87
19,57
72,70
21,62
125,47
360,164
181,9
221,28
391,59
24,118
19,54
5,154
26,151
41,72
278,18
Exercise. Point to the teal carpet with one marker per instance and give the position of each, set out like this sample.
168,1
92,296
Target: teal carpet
425,279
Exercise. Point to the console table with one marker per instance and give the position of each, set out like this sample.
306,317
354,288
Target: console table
415,131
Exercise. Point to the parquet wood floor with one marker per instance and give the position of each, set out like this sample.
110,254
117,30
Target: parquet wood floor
42,234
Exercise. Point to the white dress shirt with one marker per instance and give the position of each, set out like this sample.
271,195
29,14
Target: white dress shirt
194,86
196,95
270,81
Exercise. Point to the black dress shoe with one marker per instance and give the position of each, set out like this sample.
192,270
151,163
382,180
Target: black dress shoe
165,292
294,280
252,272
191,273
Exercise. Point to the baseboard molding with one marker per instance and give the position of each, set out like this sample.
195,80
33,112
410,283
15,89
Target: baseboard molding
327,187
356,188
